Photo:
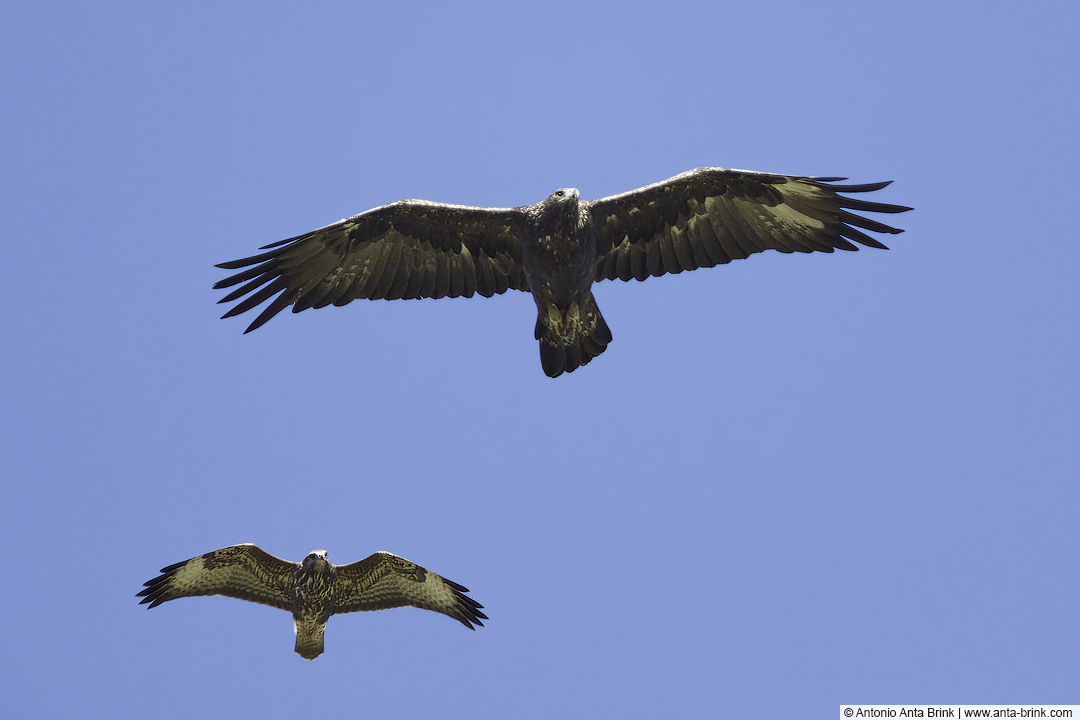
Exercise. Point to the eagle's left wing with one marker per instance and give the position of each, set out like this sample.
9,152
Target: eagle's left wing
405,250
385,580
711,216
240,571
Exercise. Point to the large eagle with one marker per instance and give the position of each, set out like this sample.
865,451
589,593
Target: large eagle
555,249
314,589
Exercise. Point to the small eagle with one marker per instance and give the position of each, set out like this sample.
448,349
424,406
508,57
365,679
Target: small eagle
555,249
314,589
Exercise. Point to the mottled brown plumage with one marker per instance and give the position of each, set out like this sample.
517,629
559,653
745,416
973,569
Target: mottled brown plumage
314,589
555,249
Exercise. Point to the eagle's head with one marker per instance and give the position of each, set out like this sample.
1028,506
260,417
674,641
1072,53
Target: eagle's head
564,195
561,210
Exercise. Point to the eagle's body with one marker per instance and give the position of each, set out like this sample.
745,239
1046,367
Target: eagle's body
558,257
555,249
314,589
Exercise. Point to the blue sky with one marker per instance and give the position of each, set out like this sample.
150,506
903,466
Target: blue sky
791,482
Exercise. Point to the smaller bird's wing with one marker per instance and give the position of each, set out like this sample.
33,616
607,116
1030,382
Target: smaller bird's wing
407,249
385,580
711,216
240,571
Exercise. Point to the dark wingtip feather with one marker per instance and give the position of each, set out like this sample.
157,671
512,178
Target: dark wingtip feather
863,187
454,586
281,302
286,241
865,223
861,237
156,587
468,610
870,206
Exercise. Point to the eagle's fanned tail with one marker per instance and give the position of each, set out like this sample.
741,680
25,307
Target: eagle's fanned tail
572,337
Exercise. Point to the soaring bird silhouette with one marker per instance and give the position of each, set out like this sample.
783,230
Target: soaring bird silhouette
555,249
314,589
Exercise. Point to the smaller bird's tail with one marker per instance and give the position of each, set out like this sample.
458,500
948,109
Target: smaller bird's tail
309,639
572,336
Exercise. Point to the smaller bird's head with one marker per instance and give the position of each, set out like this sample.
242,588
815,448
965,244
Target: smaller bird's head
315,558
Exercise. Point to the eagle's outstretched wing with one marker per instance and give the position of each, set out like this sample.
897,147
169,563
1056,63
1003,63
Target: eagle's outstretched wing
712,216
407,249
385,580
239,571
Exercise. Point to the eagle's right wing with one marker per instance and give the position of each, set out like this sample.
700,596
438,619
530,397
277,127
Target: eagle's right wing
385,580
240,571
407,249
711,216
